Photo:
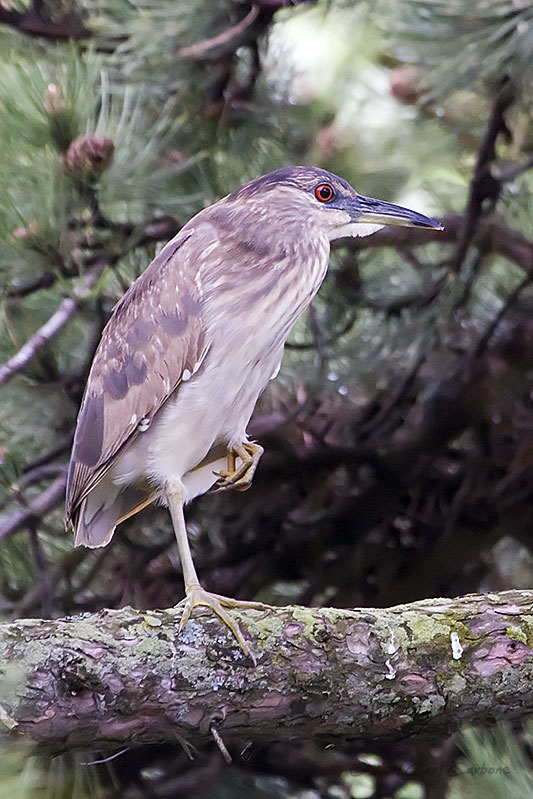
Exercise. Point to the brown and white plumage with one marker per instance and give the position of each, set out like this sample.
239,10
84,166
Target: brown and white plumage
154,337
195,340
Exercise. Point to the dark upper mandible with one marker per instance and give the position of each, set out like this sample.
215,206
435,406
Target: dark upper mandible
335,193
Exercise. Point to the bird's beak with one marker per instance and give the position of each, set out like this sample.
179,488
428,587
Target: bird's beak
379,212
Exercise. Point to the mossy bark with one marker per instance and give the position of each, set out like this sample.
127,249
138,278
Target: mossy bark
127,676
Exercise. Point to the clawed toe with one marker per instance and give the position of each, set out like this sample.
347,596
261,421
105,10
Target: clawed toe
239,477
227,480
198,596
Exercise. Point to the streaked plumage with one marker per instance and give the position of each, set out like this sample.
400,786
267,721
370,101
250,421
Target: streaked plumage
151,339
196,338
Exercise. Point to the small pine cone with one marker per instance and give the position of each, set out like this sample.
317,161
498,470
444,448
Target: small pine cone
406,84
89,156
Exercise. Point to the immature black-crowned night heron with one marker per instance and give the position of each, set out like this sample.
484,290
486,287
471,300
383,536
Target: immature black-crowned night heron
191,346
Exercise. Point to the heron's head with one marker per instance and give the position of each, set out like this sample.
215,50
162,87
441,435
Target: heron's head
315,197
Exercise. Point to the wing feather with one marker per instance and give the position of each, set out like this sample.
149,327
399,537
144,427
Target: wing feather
154,335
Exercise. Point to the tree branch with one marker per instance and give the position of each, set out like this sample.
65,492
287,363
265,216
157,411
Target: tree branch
128,676
40,338
245,32
34,23
484,186
159,229
65,311
223,43
499,238
47,500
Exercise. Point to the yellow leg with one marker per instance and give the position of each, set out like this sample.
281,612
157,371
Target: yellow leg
195,594
240,477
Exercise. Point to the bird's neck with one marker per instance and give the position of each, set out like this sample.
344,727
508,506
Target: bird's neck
257,239
269,266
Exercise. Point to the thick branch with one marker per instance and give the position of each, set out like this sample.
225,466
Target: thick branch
122,677
34,23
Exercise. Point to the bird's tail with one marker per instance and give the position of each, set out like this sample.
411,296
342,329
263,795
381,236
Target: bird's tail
106,506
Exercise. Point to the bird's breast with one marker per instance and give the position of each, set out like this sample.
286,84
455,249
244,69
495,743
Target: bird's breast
264,297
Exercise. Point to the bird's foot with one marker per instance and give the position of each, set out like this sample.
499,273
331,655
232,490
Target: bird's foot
240,477
198,596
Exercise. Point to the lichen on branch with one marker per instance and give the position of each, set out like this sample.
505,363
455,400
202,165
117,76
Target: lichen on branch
130,677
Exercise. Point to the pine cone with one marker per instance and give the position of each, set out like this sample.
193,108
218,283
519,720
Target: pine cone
89,156
406,84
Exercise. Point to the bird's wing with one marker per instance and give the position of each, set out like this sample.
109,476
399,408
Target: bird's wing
154,340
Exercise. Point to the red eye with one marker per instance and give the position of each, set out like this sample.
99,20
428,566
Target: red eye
324,192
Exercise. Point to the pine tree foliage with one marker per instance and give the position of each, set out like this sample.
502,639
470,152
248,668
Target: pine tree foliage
494,39
497,762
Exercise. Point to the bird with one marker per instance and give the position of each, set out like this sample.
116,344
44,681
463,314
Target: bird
193,343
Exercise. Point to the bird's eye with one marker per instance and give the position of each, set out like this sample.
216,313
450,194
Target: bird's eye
324,192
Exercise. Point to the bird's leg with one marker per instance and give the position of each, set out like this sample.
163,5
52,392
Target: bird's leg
195,594
240,477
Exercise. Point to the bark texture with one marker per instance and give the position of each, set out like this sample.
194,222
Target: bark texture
127,676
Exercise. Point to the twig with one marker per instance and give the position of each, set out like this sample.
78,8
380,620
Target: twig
65,311
473,265
419,300
43,282
483,184
49,499
410,258
514,171
45,471
309,345
508,304
156,230
51,328
62,446
105,759
220,743
394,400
223,43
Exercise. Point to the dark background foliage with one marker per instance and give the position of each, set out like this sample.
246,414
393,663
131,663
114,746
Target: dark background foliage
398,437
